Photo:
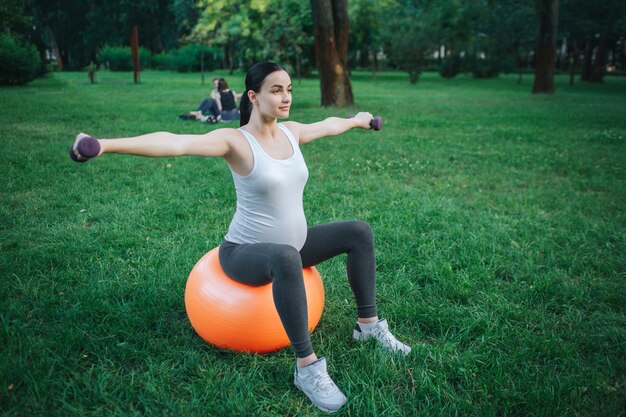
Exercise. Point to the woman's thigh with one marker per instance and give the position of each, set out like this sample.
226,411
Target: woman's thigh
257,263
328,240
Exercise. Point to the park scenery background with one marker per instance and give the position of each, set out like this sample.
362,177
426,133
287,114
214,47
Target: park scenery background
499,215
499,221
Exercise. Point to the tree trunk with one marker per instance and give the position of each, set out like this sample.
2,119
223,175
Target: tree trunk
232,57
231,71
599,62
330,22
157,39
623,53
202,62
225,57
342,30
585,74
546,47
55,49
362,56
520,65
374,63
614,54
299,67
573,63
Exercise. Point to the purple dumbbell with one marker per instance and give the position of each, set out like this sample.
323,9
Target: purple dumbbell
376,123
87,147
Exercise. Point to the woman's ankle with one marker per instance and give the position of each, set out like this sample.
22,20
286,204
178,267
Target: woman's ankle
367,320
302,362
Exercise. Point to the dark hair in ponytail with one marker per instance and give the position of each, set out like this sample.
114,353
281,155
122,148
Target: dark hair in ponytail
254,79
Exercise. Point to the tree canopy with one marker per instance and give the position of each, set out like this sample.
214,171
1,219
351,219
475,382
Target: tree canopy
484,37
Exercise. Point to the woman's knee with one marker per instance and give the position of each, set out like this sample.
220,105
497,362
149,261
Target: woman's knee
362,232
286,259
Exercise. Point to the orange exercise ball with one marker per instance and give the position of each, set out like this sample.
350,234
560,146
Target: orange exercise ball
241,317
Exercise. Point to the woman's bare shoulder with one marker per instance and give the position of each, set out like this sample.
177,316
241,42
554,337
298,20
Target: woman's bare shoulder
294,127
225,132
233,136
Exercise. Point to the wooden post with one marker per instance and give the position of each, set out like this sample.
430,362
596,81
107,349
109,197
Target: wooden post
134,50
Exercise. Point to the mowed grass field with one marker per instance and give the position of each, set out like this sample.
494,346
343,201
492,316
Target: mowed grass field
500,226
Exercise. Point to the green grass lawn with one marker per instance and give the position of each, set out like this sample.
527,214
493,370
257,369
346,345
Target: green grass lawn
500,226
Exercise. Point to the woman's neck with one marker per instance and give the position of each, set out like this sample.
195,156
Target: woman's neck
262,127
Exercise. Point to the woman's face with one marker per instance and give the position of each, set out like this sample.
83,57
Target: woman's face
274,99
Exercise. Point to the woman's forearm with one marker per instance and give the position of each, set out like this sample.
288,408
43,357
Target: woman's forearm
330,126
338,125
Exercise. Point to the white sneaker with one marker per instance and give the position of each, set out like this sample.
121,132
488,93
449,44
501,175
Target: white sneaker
381,333
315,382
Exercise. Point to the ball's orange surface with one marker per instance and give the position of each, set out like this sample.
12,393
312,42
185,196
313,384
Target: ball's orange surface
241,317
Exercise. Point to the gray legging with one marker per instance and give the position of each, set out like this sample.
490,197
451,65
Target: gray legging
260,263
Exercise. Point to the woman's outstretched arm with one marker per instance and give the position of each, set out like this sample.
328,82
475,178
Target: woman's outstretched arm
328,127
160,144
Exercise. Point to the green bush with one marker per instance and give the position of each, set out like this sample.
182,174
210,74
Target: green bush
508,64
187,58
164,61
19,61
451,66
118,58
485,67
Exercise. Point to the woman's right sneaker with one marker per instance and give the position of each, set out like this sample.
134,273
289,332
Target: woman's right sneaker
315,382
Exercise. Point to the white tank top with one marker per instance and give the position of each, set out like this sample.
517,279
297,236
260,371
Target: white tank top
269,198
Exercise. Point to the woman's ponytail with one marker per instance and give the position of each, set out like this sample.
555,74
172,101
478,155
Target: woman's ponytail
245,109
254,79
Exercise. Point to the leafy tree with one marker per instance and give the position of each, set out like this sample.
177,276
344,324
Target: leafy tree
366,30
154,19
593,29
288,35
411,32
76,30
512,26
186,14
233,26
12,16
484,36
19,60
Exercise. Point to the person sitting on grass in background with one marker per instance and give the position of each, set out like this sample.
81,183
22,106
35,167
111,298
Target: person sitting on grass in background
268,239
221,107
206,105
226,102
